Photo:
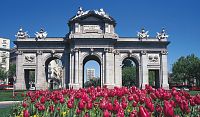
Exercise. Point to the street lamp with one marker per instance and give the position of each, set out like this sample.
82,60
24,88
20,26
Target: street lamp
14,81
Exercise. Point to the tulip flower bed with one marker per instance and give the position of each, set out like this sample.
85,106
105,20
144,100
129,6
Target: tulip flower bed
104,102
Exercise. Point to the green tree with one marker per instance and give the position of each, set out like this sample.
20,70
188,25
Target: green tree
127,63
186,69
129,76
3,74
152,76
93,82
32,76
12,70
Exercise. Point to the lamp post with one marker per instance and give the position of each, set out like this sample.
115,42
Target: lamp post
14,80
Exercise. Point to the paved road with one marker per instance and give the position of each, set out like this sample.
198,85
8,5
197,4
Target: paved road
5,104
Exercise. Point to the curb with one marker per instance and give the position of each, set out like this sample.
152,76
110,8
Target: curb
9,102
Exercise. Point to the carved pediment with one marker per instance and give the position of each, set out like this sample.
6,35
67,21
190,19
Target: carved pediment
92,24
91,15
91,19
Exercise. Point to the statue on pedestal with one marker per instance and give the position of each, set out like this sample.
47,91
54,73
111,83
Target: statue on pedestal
41,35
21,34
143,34
162,34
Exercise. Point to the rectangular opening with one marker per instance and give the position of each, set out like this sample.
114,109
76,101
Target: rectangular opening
154,79
29,75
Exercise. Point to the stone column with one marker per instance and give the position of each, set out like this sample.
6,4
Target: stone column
102,69
139,74
76,68
118,69
164,70
66,70
144,61
20,81
71,64
80,70
109,68
41,82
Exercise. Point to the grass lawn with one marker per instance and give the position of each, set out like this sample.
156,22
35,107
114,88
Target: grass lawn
7,95
5,111
194,92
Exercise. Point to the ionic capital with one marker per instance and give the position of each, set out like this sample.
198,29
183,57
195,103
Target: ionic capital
39,52
19,52
143,52
164,52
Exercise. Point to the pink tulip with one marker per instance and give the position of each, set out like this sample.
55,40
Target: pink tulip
130,98
81,105
133,113
134,104
86,115
42,100
51,108
109,106
120,113
168,109
24,105
26,113
78,111
62,100
70,104
143,112
158,108
124,104
103,103
89,105
136,98
106,113
116,105
41,107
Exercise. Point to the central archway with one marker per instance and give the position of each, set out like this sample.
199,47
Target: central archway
130,72
93,80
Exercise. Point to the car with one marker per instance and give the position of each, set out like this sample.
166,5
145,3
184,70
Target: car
185,89
6,87
178,89
32,87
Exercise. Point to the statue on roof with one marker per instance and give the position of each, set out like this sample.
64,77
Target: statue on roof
41,35
21,34
102,12
162,34
143,34
80,11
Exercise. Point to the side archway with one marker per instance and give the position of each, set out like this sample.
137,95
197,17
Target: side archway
54,72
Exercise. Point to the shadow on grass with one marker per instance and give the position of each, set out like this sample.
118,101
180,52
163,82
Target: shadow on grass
5,111
8,95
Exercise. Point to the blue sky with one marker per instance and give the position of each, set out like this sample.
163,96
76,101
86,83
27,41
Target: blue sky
181,18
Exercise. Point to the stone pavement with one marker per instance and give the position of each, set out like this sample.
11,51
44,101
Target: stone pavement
5,104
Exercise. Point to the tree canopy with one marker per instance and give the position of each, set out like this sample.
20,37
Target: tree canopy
93,82
186,69
128,73
129,76
3,74
12,70
127,63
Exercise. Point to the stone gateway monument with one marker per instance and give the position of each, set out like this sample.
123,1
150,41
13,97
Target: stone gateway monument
91,36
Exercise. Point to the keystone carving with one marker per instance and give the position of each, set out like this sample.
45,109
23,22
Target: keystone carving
29,59
164,52
153,58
